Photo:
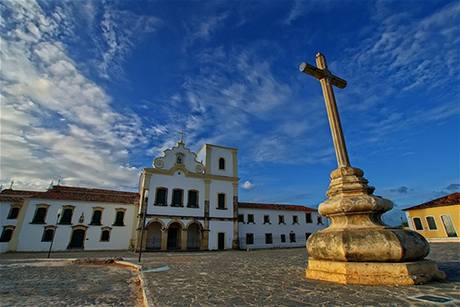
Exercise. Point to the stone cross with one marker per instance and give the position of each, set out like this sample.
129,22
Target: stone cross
327,79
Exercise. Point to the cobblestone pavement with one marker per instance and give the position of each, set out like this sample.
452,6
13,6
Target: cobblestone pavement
276,278
61,283
230,278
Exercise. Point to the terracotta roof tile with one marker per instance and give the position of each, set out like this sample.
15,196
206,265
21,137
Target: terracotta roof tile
275,207
448,200
74,193
9,198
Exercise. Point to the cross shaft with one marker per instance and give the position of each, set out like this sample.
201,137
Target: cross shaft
327,79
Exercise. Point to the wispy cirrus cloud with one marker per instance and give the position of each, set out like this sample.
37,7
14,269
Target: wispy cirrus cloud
55,121
202,30
120,31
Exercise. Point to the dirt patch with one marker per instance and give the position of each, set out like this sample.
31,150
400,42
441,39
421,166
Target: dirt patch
134,282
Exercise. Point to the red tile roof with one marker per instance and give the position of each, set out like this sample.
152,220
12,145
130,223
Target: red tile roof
448,200
275,207
73,193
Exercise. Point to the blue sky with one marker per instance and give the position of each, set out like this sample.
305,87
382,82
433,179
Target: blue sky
92,91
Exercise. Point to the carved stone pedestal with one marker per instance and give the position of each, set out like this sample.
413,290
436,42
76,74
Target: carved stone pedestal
357,248
374,273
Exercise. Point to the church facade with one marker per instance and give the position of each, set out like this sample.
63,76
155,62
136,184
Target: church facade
190,199
186,201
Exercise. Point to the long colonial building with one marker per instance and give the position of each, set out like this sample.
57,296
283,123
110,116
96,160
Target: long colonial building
186,201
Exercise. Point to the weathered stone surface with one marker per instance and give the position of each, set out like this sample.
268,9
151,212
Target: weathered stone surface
377,244
357,234
374,273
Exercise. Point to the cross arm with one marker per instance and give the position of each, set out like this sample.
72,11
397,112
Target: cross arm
321,74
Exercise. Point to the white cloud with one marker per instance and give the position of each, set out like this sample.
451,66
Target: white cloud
203,30
120,31
247,185
54,120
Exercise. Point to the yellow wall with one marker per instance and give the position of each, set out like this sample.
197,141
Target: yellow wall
453,211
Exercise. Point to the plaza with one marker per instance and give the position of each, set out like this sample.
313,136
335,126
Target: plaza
268,277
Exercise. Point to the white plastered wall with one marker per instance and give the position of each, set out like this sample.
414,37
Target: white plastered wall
30,238
259,229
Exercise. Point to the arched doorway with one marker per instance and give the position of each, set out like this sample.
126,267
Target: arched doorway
193,236
78,239
174,236
153,240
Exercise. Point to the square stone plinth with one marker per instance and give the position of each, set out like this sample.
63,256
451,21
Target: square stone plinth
374,273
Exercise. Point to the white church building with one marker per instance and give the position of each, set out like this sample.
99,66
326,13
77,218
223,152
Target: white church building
186,201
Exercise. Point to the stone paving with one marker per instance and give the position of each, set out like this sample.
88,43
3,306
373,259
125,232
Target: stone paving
229,278
275,278
61,283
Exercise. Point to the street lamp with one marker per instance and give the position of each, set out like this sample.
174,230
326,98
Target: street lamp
54,233
144,214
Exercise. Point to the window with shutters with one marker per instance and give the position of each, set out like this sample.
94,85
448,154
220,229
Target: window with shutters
105,234
295,219
431,223
13,213
161,196
119,217
96,219
7,233
221,201
66,216
192,201
249,238
178,198
418,223
40,214
48,233
268,238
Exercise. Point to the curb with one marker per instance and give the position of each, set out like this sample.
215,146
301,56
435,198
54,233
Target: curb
145,298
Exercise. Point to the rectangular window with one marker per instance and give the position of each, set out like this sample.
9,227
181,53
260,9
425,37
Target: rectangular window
105,235
119,219
192,199
40,215
292,237
281,219
66,217
268,238
431,223
13,214
221,163
96,219
241,218
7,233
249,238
307,235
177,198
221,201
48,235
251,218
267,219
418,223
161,197
308,219
295,219
283,238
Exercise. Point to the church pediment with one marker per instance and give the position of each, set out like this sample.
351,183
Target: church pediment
179,157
